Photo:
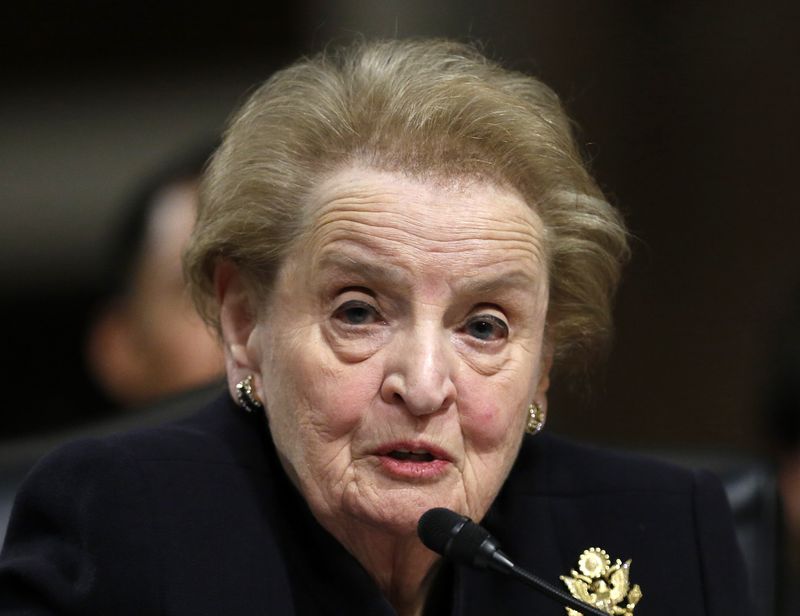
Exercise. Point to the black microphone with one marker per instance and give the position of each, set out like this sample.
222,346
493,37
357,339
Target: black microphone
458,538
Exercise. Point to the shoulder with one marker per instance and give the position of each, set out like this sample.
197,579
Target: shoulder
673,523
218,452
89,466
612,489
565,467
107,522
560,468
80,523
215,432
219,432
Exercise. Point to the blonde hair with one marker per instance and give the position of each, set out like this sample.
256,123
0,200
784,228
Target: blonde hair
431,108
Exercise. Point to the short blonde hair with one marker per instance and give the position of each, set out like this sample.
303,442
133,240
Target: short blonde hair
431,108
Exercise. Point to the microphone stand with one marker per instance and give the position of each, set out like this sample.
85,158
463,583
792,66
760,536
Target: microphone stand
500,563
458,538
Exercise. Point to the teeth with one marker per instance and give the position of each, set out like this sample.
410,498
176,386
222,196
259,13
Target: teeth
415,456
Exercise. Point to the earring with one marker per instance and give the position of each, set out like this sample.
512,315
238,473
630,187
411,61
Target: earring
247,398
536,418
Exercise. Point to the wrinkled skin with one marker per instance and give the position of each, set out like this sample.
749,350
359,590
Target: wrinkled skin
410,317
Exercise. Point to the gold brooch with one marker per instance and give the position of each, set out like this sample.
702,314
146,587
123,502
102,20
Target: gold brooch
602,584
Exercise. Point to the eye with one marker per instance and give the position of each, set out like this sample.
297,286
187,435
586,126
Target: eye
355,312
486,327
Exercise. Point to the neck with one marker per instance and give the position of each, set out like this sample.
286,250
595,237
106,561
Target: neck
400,565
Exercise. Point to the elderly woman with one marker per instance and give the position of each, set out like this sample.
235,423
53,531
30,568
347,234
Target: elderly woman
398,241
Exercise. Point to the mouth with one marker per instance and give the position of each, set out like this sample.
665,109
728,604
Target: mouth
413,452
415,461
411,456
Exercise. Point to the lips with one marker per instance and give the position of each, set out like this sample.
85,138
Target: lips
413,452
412,456
413,461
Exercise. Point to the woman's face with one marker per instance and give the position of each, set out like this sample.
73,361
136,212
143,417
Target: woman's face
402,345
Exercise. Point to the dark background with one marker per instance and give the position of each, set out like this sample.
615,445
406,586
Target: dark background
688,112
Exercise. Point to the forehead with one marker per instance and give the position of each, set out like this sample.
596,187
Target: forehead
394,215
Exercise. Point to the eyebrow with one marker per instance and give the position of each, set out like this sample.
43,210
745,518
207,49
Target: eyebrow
398,277
367,270
515,279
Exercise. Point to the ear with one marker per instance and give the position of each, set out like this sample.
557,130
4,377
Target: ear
113,356
238,324
544,376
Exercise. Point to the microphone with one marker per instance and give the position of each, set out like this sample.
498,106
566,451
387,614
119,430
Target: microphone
458,538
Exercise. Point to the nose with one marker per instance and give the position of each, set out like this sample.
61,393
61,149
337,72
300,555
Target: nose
419,373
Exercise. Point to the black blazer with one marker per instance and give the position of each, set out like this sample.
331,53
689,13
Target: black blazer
197,517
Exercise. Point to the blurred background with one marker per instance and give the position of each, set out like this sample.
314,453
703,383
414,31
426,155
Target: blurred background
688,112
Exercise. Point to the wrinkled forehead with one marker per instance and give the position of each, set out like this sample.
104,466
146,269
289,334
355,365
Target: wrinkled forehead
451,202
421,224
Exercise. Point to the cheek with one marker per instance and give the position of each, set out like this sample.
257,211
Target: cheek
490,427
326,396
340,404
492,416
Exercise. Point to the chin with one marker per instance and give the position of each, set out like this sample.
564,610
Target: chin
397,511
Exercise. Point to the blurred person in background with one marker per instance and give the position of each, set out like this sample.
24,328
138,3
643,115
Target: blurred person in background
146,340
783,428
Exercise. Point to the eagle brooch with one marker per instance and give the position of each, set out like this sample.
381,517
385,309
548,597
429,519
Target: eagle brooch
602,584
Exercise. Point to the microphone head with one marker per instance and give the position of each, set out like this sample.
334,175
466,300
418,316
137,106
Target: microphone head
456,537
437,527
